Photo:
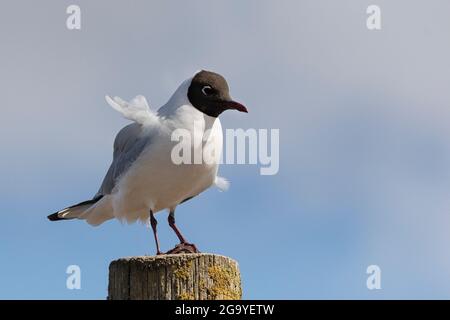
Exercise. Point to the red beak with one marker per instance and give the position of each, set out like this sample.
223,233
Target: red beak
233,105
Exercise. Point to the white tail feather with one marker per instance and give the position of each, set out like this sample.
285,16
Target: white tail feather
99,212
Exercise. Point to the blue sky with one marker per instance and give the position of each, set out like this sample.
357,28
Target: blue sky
364,151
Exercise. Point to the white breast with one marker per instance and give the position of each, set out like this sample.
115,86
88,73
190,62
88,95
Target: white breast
155,183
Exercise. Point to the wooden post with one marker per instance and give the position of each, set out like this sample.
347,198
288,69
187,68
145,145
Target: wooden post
199,276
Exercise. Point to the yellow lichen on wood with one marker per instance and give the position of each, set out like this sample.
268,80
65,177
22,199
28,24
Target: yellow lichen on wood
183,271
186,296
226,283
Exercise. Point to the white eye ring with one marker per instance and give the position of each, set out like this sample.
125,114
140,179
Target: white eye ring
205,89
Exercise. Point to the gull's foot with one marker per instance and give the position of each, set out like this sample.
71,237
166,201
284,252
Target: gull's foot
183,248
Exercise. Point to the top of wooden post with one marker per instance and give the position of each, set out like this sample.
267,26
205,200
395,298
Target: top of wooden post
199,276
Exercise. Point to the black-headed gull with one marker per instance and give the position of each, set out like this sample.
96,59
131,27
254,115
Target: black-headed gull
143,178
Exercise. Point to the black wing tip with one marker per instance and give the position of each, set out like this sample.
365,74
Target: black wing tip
54,217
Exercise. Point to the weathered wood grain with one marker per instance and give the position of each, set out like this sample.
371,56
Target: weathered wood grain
199,276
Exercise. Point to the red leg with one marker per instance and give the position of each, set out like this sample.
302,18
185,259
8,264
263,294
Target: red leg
172,224
153,222
184,246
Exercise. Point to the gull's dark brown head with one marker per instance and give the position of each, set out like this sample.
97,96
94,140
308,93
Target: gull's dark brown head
210,94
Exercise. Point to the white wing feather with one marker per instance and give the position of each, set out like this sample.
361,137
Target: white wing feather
222,183
136,110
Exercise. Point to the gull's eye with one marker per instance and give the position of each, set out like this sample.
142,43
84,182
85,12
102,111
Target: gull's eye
207,90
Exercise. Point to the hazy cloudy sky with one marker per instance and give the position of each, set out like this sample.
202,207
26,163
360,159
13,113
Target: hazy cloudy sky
364,119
